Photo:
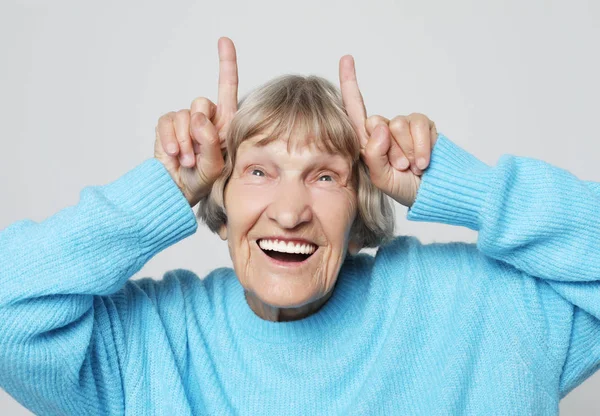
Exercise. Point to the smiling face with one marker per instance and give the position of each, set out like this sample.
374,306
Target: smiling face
289,214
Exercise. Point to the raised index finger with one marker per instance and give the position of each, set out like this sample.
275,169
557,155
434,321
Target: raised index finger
228,76
352,98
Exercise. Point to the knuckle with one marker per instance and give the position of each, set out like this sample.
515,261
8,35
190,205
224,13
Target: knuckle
375,118
165,118
200,101
182,116
419,118
420,121
373,121
399,124
204,105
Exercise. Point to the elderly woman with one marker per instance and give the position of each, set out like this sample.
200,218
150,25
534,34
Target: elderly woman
303,324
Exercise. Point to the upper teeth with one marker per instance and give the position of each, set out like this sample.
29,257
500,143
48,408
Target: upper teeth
284,247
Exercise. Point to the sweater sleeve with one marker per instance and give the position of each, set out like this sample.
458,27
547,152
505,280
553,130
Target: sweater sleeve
61,341
534,216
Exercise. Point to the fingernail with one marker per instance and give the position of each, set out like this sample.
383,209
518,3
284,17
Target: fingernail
201,119
171,148
188,160
421,163
403,163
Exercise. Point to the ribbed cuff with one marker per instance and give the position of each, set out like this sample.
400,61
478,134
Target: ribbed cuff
453,187
162,212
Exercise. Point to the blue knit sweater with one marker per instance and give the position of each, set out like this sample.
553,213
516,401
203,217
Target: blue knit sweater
507,326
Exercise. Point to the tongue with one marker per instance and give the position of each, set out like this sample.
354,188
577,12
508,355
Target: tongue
286,256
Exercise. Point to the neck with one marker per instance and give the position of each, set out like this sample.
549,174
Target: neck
272,313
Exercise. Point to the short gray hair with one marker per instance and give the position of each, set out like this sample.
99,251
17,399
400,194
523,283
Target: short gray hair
316,104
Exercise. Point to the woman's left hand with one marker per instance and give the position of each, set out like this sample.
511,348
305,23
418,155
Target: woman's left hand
397,151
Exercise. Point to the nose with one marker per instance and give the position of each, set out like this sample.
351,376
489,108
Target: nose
291,205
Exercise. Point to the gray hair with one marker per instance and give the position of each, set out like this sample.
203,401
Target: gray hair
316,104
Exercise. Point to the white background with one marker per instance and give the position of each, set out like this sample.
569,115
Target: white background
83,84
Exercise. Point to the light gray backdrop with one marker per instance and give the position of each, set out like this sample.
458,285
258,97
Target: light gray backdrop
82,86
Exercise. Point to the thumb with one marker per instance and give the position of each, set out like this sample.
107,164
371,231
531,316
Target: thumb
376,155
209,158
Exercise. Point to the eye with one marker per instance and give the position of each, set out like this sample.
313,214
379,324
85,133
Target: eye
257,172
325,178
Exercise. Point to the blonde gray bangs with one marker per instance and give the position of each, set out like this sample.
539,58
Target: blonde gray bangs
314,105
310,104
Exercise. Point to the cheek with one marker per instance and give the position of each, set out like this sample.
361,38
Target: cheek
244,205
336,211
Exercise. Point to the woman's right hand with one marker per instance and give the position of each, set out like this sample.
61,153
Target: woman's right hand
189,143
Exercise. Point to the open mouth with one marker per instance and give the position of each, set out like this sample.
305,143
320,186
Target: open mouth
290,252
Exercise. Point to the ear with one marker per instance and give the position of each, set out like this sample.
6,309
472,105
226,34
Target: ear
223,232
354,247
